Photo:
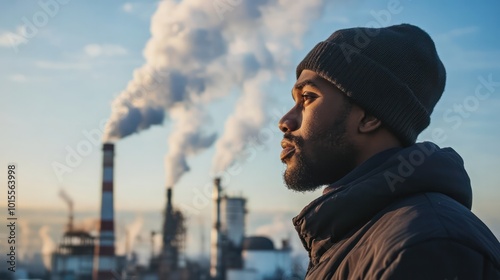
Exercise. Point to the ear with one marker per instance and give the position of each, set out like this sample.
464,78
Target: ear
368,123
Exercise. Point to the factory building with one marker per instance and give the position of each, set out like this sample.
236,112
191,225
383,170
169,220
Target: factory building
233,230
262,261
171,259
73,257
237,257
233,219
269,263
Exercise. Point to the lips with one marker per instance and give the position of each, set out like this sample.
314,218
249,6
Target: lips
288,150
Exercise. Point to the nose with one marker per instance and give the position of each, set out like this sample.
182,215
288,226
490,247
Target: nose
289,122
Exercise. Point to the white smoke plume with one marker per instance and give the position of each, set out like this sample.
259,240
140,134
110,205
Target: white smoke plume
89,225
133,230
279,228
244,123
186,140
283,25
130,235
48,245
200,51
25,239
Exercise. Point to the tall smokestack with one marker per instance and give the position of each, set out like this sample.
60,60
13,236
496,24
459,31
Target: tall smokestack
169,201
169,260
104,253
70,219
69,202
170,251
216,259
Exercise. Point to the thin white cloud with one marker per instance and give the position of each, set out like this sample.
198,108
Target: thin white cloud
98,50
22,35
55,65
128,7
6,39
338,19
20,78
456,33
80,60
456,57
11,39
142,10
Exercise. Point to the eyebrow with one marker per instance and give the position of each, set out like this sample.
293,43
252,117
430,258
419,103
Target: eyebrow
302,84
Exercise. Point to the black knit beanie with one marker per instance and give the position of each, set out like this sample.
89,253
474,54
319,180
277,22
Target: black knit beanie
394,73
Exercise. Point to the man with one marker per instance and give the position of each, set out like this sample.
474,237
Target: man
392,209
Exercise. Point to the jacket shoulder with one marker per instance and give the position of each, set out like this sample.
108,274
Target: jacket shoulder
426,234
440,259
433,216
432,227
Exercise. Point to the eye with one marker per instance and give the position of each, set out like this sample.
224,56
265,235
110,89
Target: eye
307,96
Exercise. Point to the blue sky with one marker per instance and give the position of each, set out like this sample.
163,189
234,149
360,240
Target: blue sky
59,85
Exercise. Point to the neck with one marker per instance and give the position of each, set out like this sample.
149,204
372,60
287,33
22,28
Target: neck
372,147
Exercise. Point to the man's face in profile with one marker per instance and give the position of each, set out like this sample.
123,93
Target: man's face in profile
316,145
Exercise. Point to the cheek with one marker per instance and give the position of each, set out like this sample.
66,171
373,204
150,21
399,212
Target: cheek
309,124
315,121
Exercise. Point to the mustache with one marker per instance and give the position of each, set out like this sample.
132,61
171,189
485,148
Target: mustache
297,140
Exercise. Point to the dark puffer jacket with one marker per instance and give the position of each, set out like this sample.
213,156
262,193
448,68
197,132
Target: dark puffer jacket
403,214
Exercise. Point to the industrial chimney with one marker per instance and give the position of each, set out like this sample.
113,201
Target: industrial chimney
216,259
69,202
104,253
174,231
168,261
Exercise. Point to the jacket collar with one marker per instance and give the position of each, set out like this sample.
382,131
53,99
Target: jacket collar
379,181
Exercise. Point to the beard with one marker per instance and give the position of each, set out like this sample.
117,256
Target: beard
331,156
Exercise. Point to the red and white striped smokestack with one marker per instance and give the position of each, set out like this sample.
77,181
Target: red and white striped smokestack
104,253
